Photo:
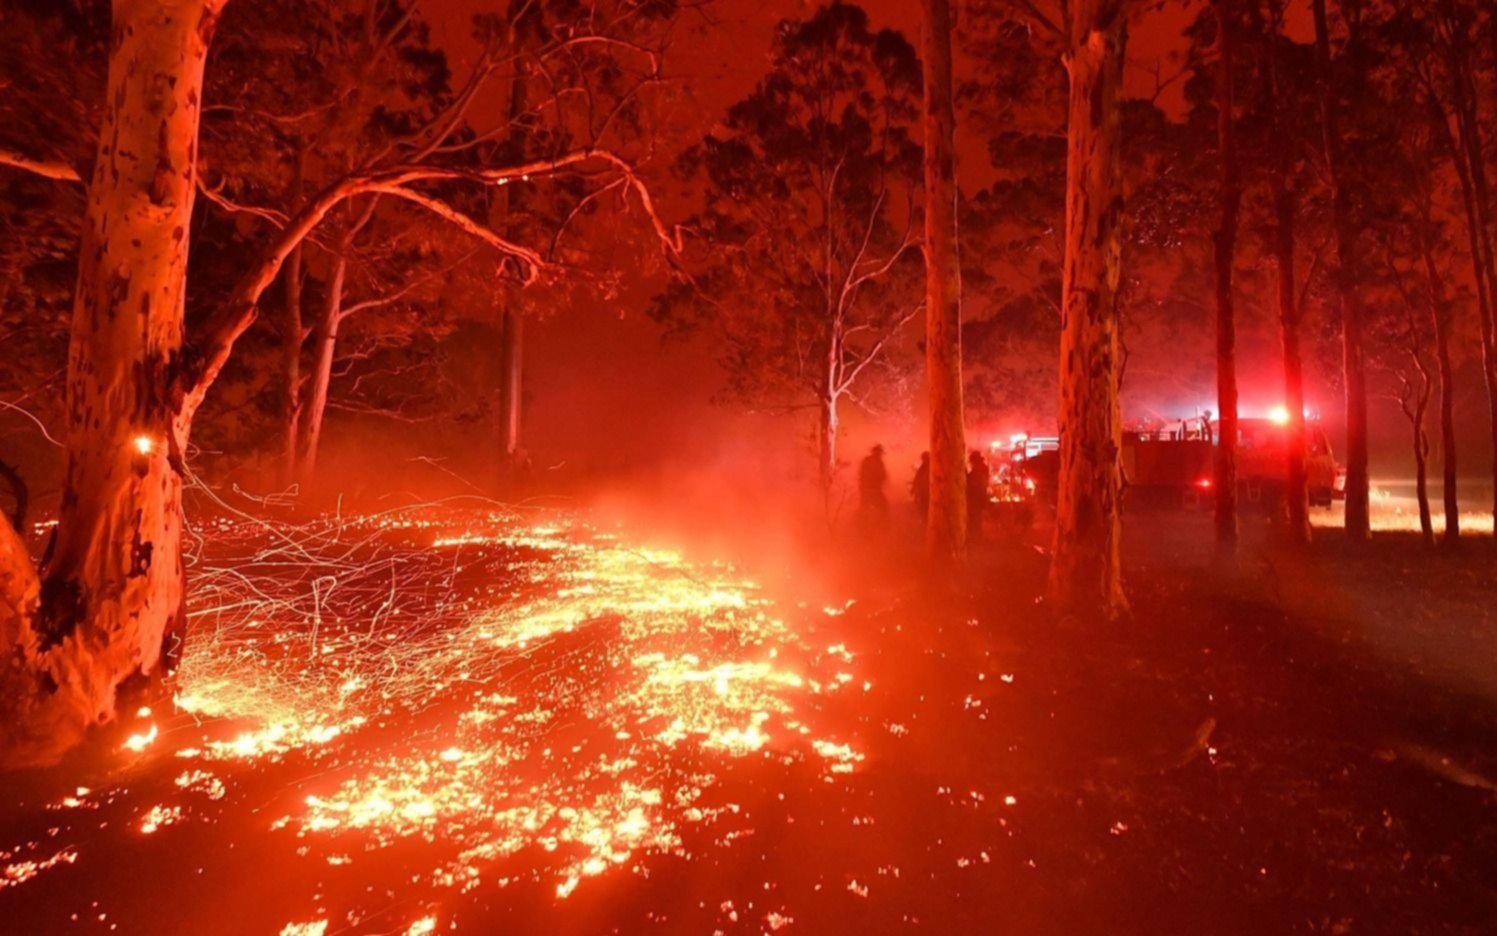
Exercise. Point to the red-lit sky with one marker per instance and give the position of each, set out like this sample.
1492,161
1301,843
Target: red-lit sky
718,55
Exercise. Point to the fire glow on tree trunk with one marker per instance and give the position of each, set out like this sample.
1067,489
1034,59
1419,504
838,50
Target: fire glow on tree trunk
506,205
111,599
291,342
1281,182
511,384
1466,148
946,531
1417,407
325,343
1230,196
1297,491
1085,573
293,335
1358,518
324,351
827,446
1439,308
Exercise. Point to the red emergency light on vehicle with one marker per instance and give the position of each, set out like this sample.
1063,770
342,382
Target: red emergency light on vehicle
1174,463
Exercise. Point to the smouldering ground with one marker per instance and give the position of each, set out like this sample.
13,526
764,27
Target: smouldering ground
1396,509
385,711
447,719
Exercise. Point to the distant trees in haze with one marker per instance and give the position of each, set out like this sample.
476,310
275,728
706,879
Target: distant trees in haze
803,261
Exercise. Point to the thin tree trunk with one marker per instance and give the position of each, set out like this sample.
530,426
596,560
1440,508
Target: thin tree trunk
1421,468
946,532
1358,519
827,446
1086,571
1481,268
506,205
511,383
324,351
1297,492
325,345
293,335
1439,311
1281,181
1468,120
111,604
1415,402
1229,195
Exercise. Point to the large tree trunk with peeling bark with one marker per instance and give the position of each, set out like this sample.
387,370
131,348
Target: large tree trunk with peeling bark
1086,573
110,603
946,530
1229,195
1354,369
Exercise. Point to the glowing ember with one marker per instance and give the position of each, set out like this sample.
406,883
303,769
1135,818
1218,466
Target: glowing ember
139,742
19,872
159,816
479,686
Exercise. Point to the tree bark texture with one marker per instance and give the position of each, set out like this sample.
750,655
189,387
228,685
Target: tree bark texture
827,446
1286,209
946,530
324,352
292,336
109,607
1439,309
506,204
1085,573
1472,169
1348,269
1229,197
511,380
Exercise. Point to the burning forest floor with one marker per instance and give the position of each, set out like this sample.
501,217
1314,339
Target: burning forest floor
457,718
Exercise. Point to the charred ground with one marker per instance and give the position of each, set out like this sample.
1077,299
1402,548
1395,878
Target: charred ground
1300,745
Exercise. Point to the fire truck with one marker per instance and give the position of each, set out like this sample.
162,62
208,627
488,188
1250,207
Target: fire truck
1172,464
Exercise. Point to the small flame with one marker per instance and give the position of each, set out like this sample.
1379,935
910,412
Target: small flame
139,742
144,444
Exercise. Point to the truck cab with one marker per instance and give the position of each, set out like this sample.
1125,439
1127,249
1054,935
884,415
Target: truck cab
1262,463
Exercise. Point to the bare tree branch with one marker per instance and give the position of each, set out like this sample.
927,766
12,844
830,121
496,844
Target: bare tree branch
47,168
446,212
1033,12
208,354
